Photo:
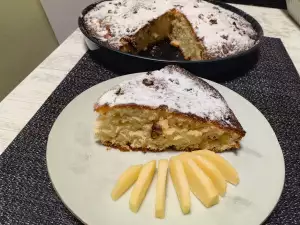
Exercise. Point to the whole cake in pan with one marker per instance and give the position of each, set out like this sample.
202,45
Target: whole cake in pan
167,109
200,29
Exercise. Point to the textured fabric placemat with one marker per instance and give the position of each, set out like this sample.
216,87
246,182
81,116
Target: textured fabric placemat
26,193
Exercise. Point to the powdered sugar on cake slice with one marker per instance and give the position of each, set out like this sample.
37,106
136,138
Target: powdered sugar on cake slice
175,88
222,31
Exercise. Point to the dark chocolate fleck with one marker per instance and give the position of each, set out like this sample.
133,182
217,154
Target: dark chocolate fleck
234,24
224,36
148,82
119,92
127,30
179,6
201,16
196,6
213,21
188,89
174,81
227,117
165,107
149,73
135,11
109,11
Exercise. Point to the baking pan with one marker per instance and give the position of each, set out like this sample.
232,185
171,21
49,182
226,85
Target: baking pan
163,54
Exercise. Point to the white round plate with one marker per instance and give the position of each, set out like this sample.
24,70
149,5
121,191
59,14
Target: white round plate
84,172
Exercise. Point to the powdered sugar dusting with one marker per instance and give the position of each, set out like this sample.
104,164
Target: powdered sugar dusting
222,31
172,88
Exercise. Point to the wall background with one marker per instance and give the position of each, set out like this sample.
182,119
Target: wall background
63,15
26,39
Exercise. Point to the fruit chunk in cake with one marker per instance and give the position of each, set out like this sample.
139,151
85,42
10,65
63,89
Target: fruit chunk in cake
166,109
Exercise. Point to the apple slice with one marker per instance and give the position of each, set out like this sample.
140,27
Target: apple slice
209,169
142,185
200,184
212,172
226,169
181,184
161,184
185,156
125,181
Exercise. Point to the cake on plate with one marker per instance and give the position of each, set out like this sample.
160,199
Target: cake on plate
200,29
167,109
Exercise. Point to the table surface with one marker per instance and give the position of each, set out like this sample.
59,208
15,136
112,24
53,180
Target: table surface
24,101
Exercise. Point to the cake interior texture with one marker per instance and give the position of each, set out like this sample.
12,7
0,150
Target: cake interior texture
135,128
172,26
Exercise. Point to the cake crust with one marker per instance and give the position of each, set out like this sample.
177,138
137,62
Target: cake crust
129,148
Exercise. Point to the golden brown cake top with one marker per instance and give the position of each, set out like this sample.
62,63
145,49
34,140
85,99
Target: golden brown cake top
176,89
222,31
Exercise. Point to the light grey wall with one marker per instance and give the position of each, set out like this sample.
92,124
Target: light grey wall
63,15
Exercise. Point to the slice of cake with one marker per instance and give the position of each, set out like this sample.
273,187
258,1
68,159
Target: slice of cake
167,109
200,29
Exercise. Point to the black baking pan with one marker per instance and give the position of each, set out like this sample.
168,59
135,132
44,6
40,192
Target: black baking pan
163,54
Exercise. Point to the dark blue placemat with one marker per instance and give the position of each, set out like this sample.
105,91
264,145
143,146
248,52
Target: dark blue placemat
26,193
